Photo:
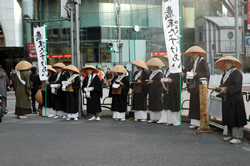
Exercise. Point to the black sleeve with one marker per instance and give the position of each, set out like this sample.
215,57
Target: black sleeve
76,85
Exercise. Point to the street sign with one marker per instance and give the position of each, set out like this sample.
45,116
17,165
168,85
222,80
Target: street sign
32,51
247,46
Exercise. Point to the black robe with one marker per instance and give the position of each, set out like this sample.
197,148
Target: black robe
233,108
50,97
202,70
93,103
155,93
171,99
119,102
140,98
72,102
60,97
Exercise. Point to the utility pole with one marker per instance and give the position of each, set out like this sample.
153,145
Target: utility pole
73,6
236,14
118,8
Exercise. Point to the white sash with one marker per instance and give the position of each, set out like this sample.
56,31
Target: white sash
163,80
19,77
66,83
195,63
138,75
88,89
116,84
152,75
227,75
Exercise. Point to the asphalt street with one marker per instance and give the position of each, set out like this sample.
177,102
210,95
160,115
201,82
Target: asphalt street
45,141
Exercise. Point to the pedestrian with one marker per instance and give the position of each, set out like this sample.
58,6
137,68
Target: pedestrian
233,108
60,96
198,69
49,112
171,98
23,90
4,82
155,92
12,77
101,76
92,88
140,91
118,91
72,92
35,80
108,77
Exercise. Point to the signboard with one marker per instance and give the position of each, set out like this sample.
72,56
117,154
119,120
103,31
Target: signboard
59,56
248,14
247,46
170,18
160,53
32,51
40,43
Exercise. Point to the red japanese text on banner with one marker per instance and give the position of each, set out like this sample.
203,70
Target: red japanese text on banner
170,16
40,43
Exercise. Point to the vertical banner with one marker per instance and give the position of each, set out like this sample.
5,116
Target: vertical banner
170,16
40,43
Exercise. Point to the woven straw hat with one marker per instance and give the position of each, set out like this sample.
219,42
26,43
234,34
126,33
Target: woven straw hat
155,62
51,69
195,49
140,63
84,70
39,97
165,57
71,68
59,64
220,63
23,65
119,69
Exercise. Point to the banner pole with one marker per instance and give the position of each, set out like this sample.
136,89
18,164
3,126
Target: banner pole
48,78
180,18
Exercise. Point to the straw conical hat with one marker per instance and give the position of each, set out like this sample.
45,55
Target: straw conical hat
220,63
39,97
59,64
84,70
51,69
71,68
195,49
23,65
140,63
119,69
165,57
155,62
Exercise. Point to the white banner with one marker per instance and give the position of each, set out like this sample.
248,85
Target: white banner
40,43
170,16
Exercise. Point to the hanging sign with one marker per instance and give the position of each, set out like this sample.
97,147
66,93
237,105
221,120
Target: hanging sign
170,16
40,43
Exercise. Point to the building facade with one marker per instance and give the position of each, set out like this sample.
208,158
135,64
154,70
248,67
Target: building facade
98,27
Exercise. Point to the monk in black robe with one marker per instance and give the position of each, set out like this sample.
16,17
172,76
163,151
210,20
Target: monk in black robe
171,99
93,95
140,91
60,96
119,96
49,102
198,68
72,93
155,94
233,108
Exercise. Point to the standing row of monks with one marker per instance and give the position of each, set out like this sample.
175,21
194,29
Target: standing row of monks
161,87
